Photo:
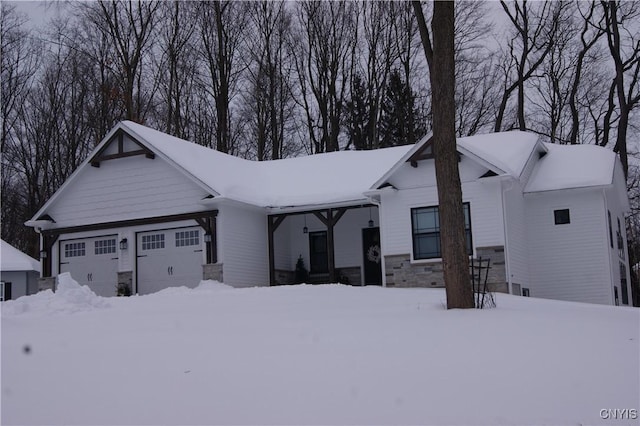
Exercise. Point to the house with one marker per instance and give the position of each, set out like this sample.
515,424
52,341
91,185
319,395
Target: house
18,273
148,211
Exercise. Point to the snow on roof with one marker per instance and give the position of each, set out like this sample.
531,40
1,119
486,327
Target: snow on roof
508,151
12,259
572,166
315,179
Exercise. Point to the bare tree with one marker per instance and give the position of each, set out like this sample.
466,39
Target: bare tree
129,25
324,52
222,25
534,34
440,56
625,53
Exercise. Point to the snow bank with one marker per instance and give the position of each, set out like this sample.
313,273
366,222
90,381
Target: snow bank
70,297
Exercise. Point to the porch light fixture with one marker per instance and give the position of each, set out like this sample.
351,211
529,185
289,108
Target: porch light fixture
305,230
370,220
43,254
207,238
123,244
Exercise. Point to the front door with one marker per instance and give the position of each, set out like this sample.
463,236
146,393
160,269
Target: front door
318,253
372,256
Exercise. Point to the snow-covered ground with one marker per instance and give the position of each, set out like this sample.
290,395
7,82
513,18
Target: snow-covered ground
305,354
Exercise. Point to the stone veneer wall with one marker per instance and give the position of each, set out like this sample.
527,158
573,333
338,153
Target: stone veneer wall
352,274
400,272
284,277
212,271
126,278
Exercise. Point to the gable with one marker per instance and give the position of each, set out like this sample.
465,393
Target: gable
120,145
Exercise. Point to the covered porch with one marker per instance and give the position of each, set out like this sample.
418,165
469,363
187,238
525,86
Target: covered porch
336,244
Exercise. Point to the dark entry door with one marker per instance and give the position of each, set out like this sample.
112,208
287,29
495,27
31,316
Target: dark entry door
372,256
318,254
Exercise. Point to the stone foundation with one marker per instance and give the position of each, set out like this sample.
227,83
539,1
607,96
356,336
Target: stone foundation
284,277
349,275
400,272
212,271
47,283
125,279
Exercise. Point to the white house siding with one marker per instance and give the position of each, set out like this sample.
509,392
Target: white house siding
613,204
243,245
516,235
126,188
22,282
570,261
483,194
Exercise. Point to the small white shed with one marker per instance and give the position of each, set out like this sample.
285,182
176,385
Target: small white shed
19,272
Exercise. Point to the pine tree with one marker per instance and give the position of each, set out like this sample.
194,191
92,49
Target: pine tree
357,113
399,121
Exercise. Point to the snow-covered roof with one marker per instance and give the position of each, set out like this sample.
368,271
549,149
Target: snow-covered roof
572,166
12,259
509,151
316,179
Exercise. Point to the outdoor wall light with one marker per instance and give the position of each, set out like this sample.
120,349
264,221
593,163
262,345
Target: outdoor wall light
305,230
43,254
370,219
123,244
207,238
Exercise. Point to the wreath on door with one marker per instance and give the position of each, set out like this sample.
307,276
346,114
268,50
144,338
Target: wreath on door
373,254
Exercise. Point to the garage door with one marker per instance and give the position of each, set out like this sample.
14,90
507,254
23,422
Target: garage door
92,262
169,258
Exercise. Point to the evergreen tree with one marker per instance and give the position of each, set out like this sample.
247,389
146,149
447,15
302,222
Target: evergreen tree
357,113
399,121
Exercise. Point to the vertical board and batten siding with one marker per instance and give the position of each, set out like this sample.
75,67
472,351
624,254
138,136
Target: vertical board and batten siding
243,245
516,234
126,188
416,188
571,261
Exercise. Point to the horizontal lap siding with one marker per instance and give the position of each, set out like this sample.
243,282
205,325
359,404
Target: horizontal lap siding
516,234
416,188
126,188
244,245
571,261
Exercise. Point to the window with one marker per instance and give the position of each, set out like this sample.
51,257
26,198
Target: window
74,250
623,284
5,291
153,242
620,241
525,292
610,229
187,238
425,226
561,217
615,296
105,246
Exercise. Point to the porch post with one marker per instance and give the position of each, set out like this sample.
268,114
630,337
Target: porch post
331,251
272,224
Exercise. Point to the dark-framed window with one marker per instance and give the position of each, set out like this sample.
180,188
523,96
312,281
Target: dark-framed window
425,231
561,217
623,283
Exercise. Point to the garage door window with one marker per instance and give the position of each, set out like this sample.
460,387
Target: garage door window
105,246
153,242
187,238
74,249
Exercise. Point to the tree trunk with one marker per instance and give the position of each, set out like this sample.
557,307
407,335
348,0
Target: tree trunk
455,259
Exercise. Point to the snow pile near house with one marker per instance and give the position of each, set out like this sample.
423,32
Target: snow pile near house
69,298
309,354
12,259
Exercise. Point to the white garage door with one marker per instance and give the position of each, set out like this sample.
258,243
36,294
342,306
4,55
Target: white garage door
169,258
92,262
